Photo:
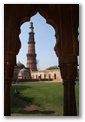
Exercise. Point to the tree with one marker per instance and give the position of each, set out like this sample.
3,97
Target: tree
52,67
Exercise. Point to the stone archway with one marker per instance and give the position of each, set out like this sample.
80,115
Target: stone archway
65,20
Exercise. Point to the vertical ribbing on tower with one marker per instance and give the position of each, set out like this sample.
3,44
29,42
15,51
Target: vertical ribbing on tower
31,55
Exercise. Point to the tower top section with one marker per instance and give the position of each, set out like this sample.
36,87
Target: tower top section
31,27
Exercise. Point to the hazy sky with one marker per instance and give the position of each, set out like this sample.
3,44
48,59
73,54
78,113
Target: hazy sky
45,42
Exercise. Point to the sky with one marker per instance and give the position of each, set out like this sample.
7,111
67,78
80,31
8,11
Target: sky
45,41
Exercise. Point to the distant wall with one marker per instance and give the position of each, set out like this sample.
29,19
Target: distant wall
53,75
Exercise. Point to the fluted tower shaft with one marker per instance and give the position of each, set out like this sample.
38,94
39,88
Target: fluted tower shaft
31,55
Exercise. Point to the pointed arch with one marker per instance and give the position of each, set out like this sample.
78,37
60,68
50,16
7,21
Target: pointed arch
44,14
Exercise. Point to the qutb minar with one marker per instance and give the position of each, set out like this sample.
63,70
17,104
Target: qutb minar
31,55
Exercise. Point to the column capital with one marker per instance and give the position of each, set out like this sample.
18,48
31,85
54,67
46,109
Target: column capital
68,68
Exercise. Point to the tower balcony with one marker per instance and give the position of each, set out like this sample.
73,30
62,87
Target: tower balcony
31,42
31,55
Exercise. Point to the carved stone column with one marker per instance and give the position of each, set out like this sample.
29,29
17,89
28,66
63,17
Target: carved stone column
68,68
9,63
67,51
12,47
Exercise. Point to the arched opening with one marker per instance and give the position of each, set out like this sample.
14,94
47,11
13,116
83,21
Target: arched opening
36,76
49,76
44,42
44,76
54,76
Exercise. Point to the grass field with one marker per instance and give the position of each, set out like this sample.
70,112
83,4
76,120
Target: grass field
39,99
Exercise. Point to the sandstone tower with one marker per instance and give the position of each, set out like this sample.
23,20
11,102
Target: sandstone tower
31,55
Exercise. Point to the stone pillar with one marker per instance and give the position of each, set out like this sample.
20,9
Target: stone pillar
11,48
68,68
67,50
9,63
7,99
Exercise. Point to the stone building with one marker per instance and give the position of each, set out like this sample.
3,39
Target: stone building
24,74
17,69
47,75
21,72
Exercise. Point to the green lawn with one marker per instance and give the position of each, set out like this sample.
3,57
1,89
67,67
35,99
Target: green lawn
48,97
